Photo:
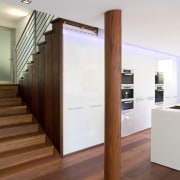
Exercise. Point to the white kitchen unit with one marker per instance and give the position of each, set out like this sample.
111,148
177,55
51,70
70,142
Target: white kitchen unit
144,65
83,89
165,134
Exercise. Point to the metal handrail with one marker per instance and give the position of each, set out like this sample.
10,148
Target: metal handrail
31,36
25,29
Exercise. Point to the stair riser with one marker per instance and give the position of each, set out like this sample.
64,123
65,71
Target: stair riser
25,157
13,131
20,143
12,102
12,120
12,110
8,94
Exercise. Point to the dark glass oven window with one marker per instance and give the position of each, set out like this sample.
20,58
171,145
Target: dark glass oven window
127,78
127,105
159,95
127,93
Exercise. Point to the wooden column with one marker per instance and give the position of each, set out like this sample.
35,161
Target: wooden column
112,164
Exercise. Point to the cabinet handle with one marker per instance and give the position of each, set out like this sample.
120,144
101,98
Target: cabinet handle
98,105
75,108
127,102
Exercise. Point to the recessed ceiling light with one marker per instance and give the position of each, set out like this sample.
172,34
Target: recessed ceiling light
26,1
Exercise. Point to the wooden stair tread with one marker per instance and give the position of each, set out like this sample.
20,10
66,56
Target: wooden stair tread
21,141
10,98
19,156
9,87
17,129
13,107
15,119
7,110
21,136
32,169
8,94
10,101
18,125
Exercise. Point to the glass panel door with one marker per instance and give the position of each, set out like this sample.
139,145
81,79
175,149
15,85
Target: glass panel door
5,55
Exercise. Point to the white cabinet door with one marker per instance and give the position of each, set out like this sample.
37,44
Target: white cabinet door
149,106
170,100
73,137
140,114
93,127
127,123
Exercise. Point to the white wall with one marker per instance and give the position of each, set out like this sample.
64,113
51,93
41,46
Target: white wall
7,23
20,26
178,80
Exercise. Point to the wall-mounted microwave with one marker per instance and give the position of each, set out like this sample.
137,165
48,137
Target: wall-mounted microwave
127,76
159,78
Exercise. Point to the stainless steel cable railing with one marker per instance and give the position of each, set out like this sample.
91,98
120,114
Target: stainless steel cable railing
31,36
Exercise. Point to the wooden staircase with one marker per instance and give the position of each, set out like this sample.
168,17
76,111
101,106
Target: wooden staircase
25,150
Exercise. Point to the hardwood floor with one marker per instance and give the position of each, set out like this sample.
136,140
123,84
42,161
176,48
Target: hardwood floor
136,165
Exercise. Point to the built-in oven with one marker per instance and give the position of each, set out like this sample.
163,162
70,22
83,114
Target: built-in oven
159,78
127,92
159,95
127,76
127,104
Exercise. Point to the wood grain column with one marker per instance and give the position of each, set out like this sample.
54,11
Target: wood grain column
112,164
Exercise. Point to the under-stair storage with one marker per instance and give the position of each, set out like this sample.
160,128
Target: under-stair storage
25,150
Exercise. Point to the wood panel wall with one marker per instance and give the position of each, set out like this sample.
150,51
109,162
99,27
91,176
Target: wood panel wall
41,84
35,86
57,83
48,85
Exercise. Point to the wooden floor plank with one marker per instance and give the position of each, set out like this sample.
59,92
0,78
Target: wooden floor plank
136,165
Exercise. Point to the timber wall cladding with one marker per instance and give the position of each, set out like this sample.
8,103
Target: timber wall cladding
48,85
41,85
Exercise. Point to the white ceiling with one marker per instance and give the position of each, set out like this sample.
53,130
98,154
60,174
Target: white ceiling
12,13
153,24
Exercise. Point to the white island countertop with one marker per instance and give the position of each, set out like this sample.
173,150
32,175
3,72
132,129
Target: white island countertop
165,137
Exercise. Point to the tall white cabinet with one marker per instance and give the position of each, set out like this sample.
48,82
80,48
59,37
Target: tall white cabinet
83,93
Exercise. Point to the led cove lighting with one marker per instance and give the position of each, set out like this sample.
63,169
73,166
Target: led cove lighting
26,1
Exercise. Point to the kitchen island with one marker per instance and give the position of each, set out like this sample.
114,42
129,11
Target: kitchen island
165,137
